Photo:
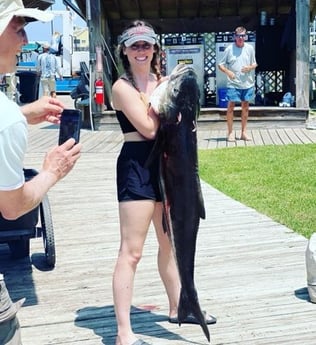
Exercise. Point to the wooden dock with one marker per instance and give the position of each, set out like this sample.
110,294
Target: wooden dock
250,270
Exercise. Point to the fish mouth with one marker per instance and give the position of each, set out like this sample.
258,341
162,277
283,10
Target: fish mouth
182,97
182,69
185,92
182,80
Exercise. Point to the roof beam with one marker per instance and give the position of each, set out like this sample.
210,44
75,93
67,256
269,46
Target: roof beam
237,7
140,11
188,25
178,3
159,9
217,8
119,7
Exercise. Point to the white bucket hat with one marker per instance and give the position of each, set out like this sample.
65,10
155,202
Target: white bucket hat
11,8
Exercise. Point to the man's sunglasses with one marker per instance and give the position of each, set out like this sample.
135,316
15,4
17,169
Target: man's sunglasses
241,36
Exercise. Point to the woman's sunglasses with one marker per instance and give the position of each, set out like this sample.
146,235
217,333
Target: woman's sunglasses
144,46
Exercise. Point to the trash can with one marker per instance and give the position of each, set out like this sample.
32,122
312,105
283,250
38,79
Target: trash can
222,99
28,86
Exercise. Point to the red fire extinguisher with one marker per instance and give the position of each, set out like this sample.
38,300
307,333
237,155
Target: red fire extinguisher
99,91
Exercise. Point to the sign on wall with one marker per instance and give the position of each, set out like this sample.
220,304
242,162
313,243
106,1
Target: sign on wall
189,50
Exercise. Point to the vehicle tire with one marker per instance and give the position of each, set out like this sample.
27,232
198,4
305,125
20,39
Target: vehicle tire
47,231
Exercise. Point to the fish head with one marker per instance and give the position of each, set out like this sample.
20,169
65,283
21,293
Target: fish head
181,96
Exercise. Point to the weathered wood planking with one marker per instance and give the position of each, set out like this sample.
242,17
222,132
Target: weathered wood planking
250,270
44,137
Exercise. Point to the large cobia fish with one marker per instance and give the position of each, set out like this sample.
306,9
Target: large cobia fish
177,102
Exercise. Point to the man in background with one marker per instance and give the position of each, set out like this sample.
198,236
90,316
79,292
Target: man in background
239,64
47,66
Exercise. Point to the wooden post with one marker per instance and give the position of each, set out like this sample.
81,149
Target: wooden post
302,53
97,27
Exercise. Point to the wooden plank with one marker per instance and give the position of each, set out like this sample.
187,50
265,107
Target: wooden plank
241,143
275,137
292,136
284,136
213,139
222,142
203,139
311,134
206,139
257,139
301,135
266,138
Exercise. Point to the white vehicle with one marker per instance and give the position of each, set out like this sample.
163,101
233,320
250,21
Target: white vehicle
72,53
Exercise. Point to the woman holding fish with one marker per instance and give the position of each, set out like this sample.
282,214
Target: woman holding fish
137,185
140,201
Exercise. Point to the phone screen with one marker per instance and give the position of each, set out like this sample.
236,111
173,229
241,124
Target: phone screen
70,125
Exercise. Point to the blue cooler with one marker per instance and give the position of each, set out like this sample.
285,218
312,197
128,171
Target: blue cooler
222,100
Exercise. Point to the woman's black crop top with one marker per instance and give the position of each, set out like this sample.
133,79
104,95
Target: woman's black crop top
124,122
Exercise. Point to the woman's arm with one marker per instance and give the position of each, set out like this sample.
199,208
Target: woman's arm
127,99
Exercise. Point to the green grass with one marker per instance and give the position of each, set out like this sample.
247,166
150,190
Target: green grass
278,181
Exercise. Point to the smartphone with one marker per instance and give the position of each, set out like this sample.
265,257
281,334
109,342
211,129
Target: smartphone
70,125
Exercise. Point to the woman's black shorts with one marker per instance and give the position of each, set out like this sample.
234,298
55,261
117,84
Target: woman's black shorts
136,181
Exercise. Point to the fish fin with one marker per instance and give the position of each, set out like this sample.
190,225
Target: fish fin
202,212
166,223
201,206
166,220
198,110
192,307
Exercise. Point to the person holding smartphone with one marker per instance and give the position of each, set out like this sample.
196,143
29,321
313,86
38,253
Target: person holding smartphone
18,197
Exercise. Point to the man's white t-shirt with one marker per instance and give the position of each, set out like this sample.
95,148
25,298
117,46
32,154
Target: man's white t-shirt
235,58
13,144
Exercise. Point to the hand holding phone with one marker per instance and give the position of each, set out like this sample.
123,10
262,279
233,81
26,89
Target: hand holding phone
70,125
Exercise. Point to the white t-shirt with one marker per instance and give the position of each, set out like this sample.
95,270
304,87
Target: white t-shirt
235,58
13,144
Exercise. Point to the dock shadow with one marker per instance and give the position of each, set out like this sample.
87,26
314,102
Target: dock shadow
215,139
302,294
18,274
103,323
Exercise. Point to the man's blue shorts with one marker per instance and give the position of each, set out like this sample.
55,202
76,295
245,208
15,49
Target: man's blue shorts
239,95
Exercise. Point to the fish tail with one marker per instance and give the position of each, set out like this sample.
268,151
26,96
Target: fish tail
188,306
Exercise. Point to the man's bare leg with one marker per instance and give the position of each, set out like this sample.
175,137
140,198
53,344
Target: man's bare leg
230,121
244,120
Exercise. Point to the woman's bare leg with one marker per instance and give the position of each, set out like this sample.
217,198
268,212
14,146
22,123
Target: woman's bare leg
167,264
135,218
